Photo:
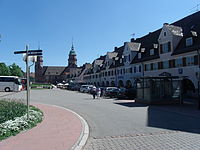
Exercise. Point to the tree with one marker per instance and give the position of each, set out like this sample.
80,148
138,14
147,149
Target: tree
4,70
15,70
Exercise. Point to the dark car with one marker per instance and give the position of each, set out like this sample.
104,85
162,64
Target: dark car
113,93
121,93
109,90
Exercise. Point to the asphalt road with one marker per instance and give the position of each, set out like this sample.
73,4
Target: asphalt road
108,118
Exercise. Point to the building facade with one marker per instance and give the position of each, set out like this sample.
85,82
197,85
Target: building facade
172,50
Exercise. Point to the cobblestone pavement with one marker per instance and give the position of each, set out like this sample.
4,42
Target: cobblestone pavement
169,140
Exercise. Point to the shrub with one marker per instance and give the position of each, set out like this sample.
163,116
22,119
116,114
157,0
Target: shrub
18,123
11,109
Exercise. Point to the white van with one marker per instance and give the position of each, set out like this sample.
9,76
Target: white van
86,88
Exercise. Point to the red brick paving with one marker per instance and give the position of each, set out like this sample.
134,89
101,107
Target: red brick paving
59,130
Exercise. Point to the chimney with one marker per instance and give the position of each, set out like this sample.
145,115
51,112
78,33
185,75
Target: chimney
133,39
115,48
125,43
164,24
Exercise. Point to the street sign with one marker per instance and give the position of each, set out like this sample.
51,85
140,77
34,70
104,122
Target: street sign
29,55
34,54
29,52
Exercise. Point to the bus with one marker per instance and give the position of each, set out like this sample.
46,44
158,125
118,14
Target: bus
10,83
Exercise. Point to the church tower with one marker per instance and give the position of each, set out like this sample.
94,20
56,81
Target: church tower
72,61
39,69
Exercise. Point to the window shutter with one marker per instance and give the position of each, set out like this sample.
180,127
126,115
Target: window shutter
159,65
151,66
196,60
169,46
173,62
170,64
184,61
161,49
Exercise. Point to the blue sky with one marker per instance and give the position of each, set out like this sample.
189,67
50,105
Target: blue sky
97,26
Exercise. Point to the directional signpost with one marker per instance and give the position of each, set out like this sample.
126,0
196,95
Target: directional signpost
28,53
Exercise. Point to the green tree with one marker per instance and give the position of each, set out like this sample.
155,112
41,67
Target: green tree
15,70
4,70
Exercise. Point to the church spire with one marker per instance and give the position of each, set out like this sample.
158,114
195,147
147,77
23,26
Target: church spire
72,44
72,61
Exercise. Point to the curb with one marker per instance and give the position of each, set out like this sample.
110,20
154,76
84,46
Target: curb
85,129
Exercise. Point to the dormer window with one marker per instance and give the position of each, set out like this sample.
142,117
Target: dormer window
165,48
189,41
139,55
151,52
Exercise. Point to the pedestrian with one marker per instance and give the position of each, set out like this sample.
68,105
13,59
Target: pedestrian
94,92
98,93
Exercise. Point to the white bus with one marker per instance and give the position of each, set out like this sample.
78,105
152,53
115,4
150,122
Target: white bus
10,83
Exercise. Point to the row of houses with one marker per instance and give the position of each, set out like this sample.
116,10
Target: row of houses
171,51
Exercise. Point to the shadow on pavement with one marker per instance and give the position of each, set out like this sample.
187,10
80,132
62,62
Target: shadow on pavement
174,117
131,104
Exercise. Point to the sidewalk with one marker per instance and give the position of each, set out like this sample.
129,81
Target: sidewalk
59,130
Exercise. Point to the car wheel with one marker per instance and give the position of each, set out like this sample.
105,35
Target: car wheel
7,89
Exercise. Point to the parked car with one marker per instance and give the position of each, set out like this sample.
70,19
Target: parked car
113,92
122,93
86,88
130,93
108,90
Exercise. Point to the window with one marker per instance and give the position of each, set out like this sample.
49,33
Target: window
148,67
165,33
179,62
106,74
165,64
151,52
129,58
165,48
189,41
139,55
140,69
155,66
131,70
135,69
190,61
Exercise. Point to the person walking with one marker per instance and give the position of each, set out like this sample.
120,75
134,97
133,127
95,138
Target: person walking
98,93
94,92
